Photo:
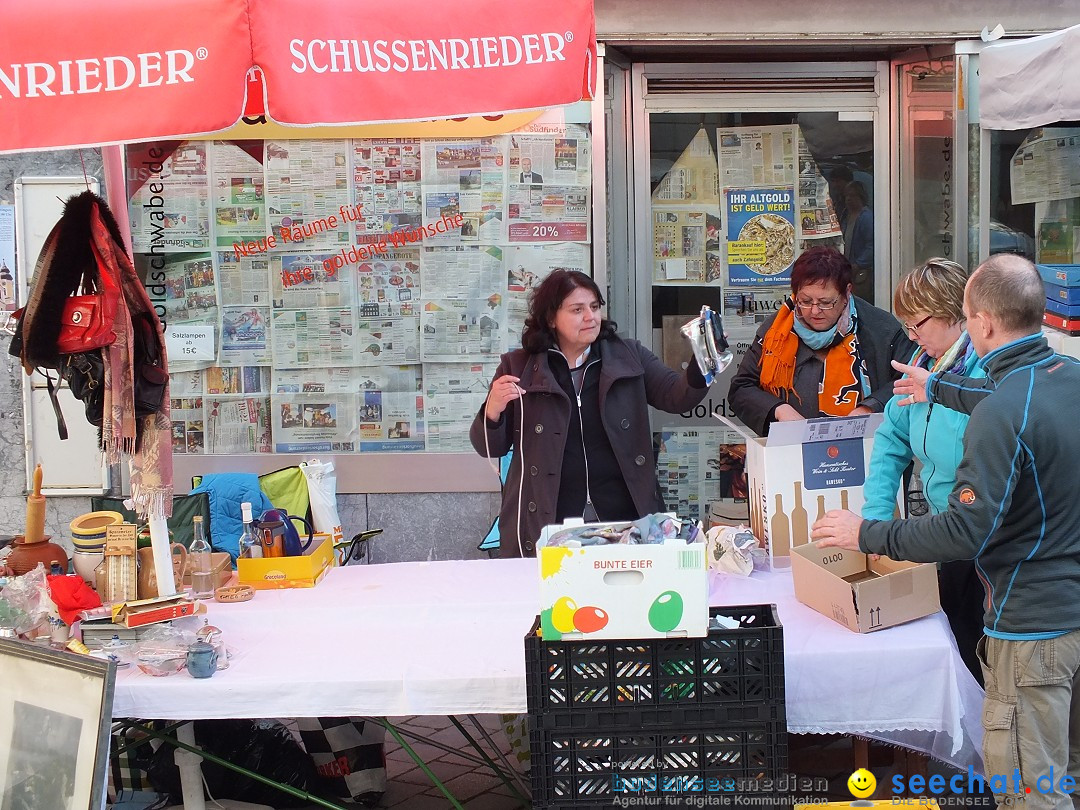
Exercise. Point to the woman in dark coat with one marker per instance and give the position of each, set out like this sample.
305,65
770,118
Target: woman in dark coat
825,353
573,404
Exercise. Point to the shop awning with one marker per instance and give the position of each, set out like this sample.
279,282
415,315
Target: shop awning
81,72
1029,83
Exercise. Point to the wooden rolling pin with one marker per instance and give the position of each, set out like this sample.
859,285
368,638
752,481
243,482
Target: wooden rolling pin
35,511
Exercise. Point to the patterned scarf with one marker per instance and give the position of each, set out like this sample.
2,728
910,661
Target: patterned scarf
954,361
151,462
844,377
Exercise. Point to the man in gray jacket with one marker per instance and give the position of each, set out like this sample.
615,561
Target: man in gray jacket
1015,511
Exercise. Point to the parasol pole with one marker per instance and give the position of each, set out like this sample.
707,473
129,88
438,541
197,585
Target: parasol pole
112,159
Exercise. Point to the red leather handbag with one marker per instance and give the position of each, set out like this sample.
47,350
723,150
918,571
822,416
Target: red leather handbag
87,323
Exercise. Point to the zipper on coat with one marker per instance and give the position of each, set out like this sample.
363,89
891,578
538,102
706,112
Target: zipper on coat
589,508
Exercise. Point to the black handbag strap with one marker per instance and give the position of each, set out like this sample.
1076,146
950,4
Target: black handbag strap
61,425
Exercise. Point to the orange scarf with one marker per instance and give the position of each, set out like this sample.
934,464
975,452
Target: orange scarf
841,387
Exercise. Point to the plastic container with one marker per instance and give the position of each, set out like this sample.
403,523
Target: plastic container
660,719
731,675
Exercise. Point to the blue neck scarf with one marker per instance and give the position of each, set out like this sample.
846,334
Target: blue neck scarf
819,340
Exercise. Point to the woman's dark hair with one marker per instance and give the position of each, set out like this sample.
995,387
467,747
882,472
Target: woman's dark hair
821,264
544,302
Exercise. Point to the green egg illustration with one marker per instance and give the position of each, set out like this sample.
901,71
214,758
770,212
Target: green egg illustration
666,612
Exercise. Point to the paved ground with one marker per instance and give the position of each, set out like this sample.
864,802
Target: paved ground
476,787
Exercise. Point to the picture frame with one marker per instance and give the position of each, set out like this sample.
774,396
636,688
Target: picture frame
55,721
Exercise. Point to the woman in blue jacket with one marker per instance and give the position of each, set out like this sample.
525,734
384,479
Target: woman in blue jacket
929,302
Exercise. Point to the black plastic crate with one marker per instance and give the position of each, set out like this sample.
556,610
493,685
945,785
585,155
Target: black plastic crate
730,676
677,768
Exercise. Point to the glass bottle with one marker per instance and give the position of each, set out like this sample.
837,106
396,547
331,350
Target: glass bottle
250,547
202,576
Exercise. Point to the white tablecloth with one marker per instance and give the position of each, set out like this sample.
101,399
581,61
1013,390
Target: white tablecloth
447,638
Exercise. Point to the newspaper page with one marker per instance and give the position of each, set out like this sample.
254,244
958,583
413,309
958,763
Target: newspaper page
308,281
1046,166
307,194
550,178
319,338
390,409
244,340
462,271
526,267
817,217
694,178
466,177
186,413
239,192
238,424
686,245
190,298
462,330
244,281
304,423
1057,230
388,341
686,218
700,466
386,187
168,196
757,156
340,380
453,393
761,235
389,285
237,380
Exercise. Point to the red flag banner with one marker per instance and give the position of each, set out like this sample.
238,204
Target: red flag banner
349,62
83,72
80,72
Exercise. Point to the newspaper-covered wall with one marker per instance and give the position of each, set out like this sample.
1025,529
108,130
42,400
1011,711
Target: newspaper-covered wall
354,295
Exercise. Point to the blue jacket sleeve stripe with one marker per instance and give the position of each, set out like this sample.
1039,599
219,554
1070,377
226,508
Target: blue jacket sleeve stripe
1042,531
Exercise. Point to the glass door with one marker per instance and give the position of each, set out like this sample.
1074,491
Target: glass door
738,169
930,182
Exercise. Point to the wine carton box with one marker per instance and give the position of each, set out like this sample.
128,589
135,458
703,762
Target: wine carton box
801,471
863,594
621,590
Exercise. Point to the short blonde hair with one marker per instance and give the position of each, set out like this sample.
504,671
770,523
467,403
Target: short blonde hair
936,288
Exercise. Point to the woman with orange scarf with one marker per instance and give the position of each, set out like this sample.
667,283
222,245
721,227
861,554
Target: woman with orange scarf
826,352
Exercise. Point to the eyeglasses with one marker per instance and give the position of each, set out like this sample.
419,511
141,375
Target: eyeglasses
820,306
914,330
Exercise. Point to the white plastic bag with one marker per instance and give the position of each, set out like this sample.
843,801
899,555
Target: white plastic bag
322,492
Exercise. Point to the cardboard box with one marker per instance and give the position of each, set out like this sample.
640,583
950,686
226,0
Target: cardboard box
304,571
802,470
677,350
1063,275
158,609
1062,343
1063,295
863,594
220,566
621,590
1070,326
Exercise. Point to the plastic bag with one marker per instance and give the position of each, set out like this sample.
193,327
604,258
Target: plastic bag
706,335
732,550
263,746
322,492
30,602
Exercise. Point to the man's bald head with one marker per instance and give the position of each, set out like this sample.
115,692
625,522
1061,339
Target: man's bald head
1009,288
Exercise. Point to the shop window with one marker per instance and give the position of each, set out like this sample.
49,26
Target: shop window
349,296
734,199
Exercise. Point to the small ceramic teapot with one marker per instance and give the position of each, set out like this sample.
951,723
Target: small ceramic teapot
148,586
